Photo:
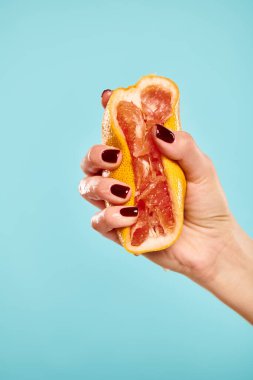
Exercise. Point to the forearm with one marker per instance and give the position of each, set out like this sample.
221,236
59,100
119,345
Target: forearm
232,280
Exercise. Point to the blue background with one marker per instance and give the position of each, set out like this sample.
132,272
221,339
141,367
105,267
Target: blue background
73,305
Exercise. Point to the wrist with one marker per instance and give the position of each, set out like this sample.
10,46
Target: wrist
231,278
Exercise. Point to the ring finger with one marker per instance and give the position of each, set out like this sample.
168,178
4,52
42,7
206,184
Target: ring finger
98,189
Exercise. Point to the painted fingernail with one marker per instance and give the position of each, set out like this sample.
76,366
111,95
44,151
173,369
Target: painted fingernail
120,190
129,211
110,155
105,96
105,92
164,134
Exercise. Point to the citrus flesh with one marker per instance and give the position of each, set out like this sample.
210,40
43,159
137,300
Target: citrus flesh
152,195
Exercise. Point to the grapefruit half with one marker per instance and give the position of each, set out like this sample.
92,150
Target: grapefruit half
158,184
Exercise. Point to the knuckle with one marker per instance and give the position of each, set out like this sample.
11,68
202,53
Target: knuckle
83,187
95,222
99,222
92,154
188,139
88,159
98,188
89,188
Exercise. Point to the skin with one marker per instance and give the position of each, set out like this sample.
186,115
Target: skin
212,250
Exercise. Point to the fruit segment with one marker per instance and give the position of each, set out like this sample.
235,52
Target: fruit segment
156,104
152,196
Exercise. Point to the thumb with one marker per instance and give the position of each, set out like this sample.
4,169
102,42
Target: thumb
181,147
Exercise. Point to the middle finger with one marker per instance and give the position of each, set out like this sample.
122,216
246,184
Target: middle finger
98,188
101,157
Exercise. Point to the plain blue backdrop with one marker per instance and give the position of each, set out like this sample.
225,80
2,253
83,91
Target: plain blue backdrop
73,305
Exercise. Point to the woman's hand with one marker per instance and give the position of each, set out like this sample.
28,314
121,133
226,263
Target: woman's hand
212,249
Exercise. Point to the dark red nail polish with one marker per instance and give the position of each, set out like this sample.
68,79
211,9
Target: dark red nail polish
105,91
129,211
110,155
164,134
120,190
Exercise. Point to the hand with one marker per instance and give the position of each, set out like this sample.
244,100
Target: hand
211,250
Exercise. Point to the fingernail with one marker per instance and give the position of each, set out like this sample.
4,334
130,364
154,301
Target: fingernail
105,92
164,134
129,211
110,155
120,190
